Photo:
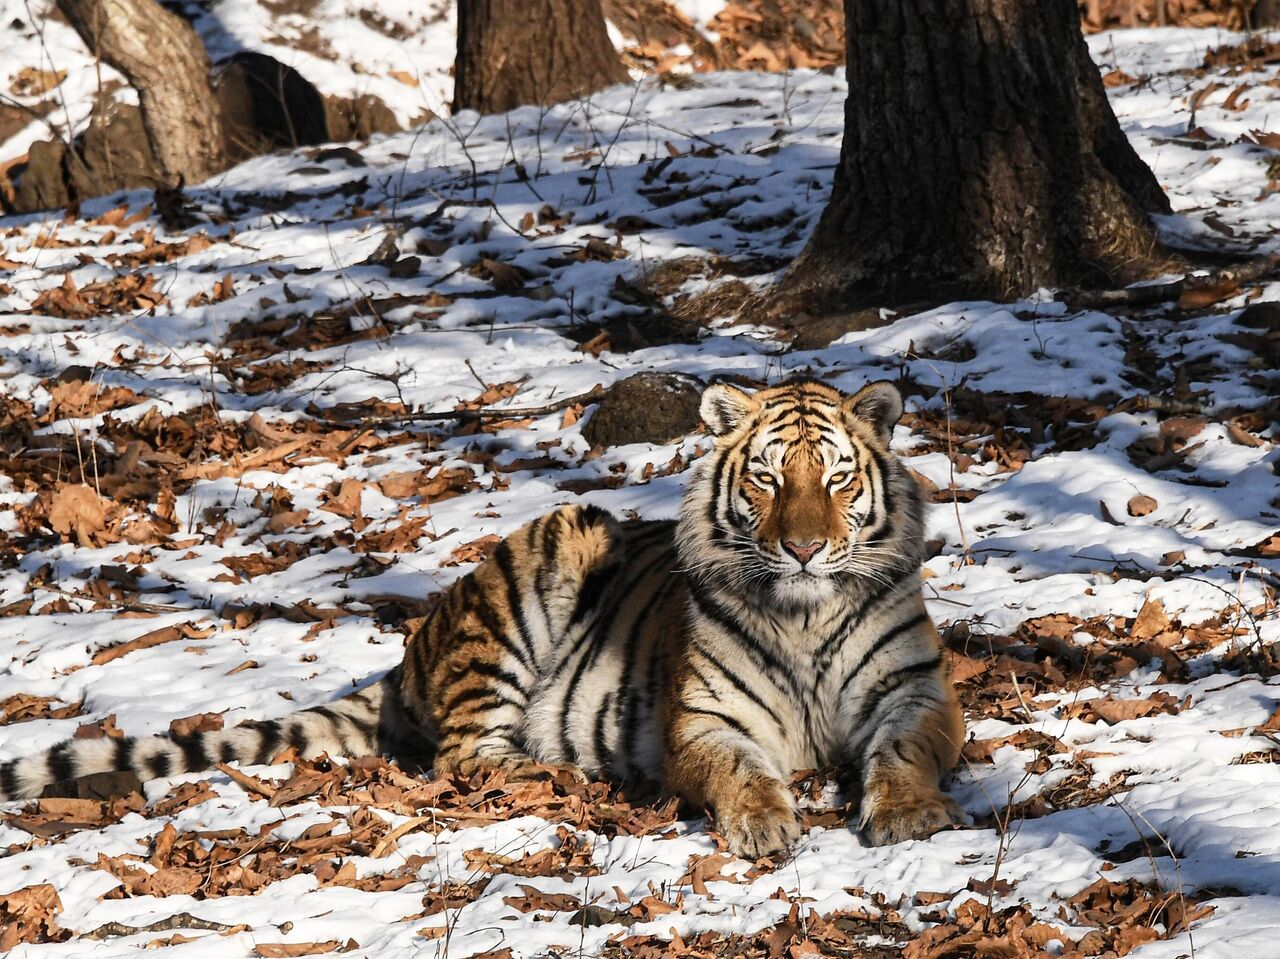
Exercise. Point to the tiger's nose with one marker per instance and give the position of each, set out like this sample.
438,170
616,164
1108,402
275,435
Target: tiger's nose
803,551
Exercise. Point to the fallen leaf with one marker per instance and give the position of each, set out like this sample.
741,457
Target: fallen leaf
103,729
1151,620
165,634
199,723
77,511
1141,505
284,950
535,899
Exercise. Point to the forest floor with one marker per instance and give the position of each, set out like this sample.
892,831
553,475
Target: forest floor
219,501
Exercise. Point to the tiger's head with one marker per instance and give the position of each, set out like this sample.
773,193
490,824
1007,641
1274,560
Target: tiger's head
800,499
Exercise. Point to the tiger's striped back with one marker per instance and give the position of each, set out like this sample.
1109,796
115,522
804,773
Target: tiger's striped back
556,649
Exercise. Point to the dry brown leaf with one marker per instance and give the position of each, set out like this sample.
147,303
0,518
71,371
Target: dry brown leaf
22,707
165,634
1141,505
32,82
1269,547
103,729
1151,620
503,276
963,669
199,723
27,915
473,552
285,950
345,500
78,512
1110,710
535,899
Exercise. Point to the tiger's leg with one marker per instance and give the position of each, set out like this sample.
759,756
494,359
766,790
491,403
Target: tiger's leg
470,671
910,739
713,759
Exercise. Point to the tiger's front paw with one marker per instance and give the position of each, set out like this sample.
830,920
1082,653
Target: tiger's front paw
761,820
889,819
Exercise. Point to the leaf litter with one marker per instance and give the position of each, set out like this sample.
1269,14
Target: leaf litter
260,493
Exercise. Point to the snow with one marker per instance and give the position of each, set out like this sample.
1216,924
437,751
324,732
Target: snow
729,170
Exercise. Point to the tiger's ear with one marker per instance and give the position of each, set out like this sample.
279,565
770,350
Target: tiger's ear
724,406
879,404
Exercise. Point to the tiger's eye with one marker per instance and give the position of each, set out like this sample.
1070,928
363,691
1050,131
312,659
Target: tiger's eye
837,479
764,479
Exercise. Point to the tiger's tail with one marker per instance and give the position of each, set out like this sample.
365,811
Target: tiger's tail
352,726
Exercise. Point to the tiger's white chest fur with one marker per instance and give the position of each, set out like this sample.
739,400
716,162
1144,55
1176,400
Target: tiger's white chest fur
802,684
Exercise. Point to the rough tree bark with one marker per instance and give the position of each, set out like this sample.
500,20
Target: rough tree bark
162,58
980,159
516,52
1265,14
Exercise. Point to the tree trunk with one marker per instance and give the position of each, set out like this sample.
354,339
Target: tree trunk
163,59
981,159
515,52
1265,15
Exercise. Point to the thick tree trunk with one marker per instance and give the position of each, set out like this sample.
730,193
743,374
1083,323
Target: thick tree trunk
980,159
515,52
1265,14
161,56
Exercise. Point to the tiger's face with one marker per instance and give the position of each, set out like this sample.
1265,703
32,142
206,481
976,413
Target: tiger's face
801,493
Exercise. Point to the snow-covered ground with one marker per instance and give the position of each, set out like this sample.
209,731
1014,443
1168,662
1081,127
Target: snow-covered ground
234,385
400,53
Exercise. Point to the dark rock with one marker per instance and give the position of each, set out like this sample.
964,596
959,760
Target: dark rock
267,105
42,183
75,374
822,331
1261,316
113,153
344,154
100,786
646,408
358,118
405,267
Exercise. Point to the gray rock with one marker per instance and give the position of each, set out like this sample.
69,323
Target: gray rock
646,408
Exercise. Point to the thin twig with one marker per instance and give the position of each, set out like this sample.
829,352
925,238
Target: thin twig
489,413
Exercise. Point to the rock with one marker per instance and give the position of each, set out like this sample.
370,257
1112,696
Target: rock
41,183
114,152
267,105
358,118
822,331
75,373
100,786
653,408
1261,316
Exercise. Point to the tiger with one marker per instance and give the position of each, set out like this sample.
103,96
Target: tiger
776,625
